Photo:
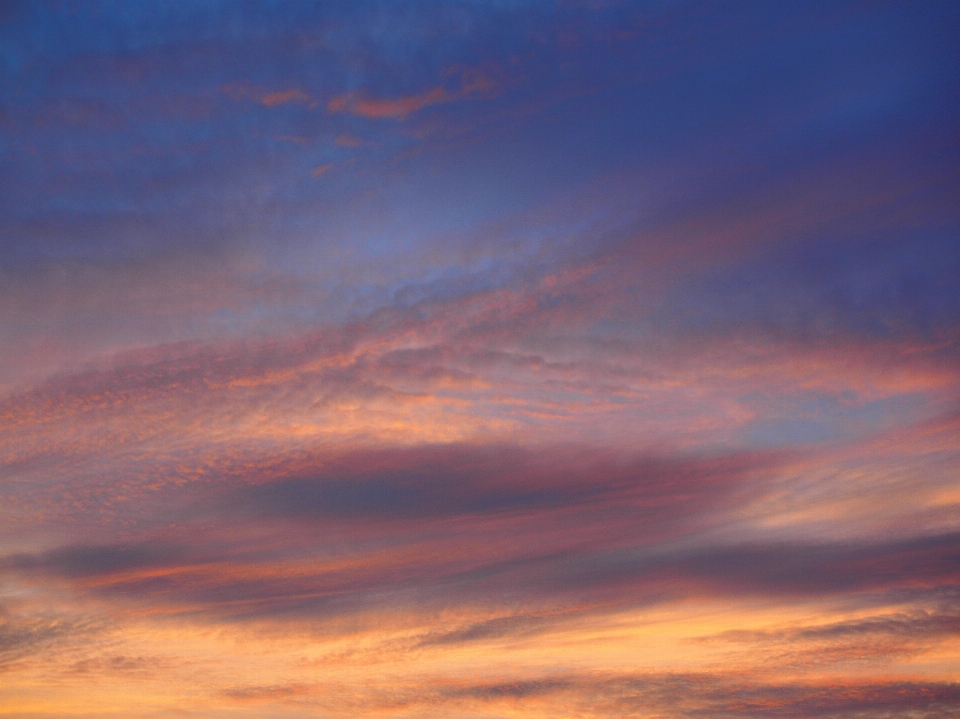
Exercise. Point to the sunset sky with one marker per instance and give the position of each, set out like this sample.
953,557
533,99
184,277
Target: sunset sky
480,359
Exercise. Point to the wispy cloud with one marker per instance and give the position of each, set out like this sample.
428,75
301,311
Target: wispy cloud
470,84
282,97
321,170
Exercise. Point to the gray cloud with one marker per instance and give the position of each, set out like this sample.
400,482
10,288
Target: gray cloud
701,696
22,637
596,571
96,560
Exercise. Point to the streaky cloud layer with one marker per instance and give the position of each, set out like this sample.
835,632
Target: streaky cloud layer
480,359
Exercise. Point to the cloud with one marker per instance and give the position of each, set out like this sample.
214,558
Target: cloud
617,377
283,97
693,695
39,634
81,561
611,541
454,480
439,523
914,626
396,108
272,693
471,83
144,667
682,695
321,170
875,640
776,569
513,627
346,139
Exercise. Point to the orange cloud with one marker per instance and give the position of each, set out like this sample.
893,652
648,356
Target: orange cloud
321,170
472,83
399,108
283,97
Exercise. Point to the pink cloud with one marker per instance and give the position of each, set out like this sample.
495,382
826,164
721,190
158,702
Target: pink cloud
397,108
271,99
472,83
321,170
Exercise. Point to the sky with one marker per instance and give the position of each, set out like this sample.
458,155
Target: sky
480,359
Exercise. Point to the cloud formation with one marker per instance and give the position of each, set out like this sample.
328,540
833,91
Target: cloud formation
544,360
